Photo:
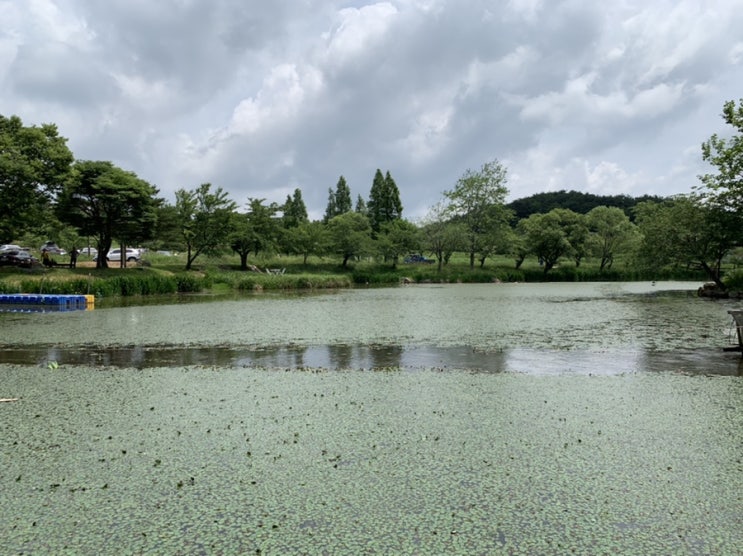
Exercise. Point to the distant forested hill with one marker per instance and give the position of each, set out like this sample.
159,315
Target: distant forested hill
575,201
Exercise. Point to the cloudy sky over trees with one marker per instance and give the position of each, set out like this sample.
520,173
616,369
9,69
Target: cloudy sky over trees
260,97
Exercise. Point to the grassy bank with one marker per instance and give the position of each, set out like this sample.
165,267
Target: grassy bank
166,275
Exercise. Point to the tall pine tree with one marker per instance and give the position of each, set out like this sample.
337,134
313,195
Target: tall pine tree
384,201
339,202
294,209
343,197
361,206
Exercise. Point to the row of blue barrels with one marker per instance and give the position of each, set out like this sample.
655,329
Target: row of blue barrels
57,300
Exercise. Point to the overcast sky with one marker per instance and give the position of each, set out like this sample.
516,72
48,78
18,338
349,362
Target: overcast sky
261,97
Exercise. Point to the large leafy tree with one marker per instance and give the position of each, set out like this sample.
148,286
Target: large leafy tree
546,236
725,188
577,232
34,165
494,239
349,235
397,238
478,202
611,233
384,204
255,231
309,238
103,201
204,217
440,235
687,230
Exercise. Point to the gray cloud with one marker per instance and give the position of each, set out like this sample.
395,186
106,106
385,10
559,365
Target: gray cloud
263,97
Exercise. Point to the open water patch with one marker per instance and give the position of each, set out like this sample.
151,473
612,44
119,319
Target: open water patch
384,357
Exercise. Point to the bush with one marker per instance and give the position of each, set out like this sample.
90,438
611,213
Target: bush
734,280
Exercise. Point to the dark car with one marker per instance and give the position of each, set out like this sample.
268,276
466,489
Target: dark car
417,258
17,258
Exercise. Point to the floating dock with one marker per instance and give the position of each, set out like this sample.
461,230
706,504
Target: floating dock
42,303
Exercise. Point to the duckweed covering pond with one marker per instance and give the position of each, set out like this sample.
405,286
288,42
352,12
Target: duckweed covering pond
592,427
238,460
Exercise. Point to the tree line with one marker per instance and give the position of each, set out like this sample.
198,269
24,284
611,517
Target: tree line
46,192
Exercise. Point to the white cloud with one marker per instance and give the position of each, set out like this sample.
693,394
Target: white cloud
357,30
280,99
261,97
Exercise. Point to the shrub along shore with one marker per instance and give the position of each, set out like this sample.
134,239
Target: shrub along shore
165,275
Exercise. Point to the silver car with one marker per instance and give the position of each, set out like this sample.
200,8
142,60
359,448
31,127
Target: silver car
132,255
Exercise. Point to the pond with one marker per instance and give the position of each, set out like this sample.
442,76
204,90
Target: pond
472,419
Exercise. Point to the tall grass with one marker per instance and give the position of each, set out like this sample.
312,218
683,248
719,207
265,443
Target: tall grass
123,284
167,275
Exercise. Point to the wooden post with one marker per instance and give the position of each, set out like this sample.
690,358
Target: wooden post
738,318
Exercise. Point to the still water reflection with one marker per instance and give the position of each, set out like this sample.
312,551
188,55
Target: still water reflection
594,328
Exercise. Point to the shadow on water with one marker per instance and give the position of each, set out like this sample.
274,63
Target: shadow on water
386,357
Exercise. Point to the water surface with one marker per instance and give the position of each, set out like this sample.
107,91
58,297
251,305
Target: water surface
460,419
540,328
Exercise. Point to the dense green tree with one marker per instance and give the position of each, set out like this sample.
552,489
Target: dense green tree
349,236
477,201
384,201
167,234
546,237
309,238
35,162
398,238
493,240
689,231
205,219
255,231
440,235
106,202
294,210
517,245
611,233
725,188
576,230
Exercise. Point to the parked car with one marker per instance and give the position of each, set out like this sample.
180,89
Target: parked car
52,248
17,257
132,255
90,251
10,247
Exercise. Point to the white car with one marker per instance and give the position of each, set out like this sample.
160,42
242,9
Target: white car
132,255
10,247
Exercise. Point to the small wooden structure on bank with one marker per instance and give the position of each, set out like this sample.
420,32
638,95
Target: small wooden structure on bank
738,319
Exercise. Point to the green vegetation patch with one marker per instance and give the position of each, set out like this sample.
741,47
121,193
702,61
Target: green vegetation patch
238,460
